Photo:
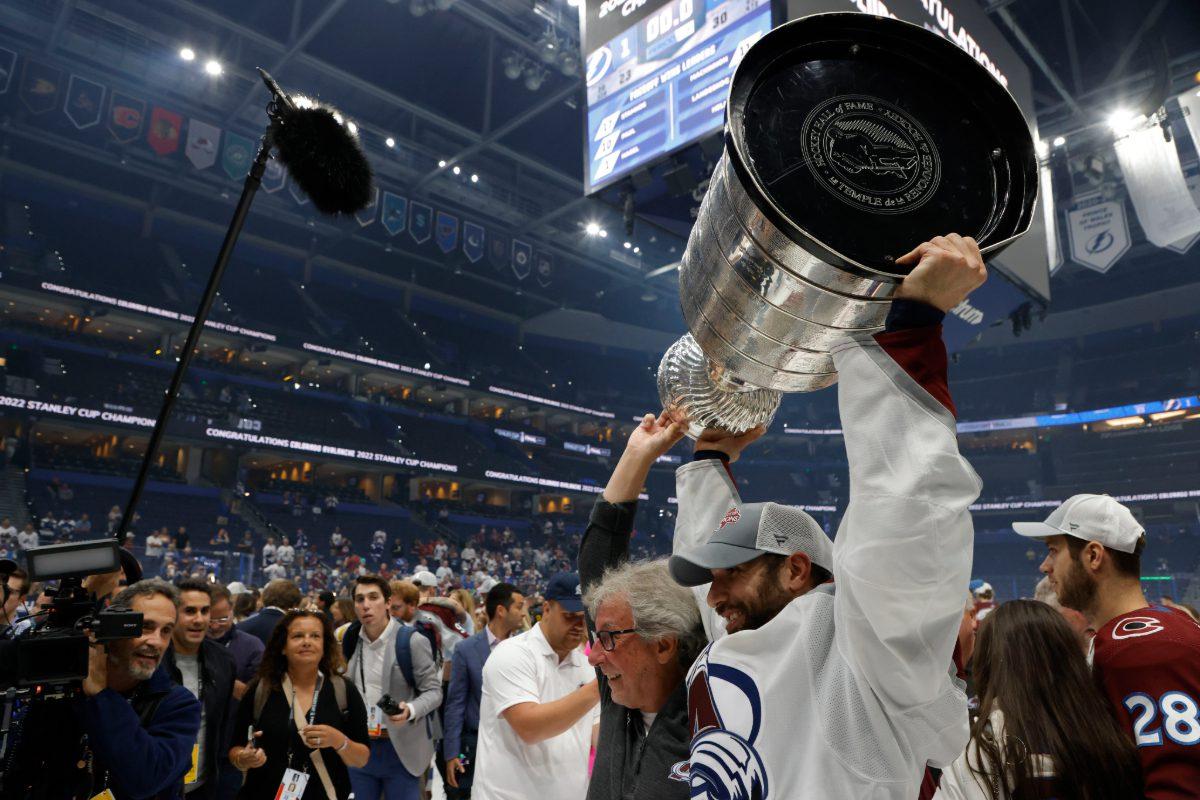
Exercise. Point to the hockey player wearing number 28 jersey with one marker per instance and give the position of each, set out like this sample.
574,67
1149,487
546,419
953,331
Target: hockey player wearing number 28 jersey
845,693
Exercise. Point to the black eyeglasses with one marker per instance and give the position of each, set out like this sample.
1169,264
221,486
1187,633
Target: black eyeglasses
608,639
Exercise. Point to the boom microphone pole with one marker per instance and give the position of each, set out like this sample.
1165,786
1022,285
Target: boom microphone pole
321,152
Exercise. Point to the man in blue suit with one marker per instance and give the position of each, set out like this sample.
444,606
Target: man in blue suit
506,614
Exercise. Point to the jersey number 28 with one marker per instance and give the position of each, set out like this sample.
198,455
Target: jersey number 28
1180,718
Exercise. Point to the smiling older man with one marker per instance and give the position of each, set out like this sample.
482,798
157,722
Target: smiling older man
646,632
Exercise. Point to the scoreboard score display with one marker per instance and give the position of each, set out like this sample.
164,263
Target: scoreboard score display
658,75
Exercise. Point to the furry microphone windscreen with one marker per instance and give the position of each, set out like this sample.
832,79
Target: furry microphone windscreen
322,154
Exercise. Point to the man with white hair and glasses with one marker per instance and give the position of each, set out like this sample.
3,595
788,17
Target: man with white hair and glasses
645,634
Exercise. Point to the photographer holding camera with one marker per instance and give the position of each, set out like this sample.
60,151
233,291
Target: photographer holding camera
130,733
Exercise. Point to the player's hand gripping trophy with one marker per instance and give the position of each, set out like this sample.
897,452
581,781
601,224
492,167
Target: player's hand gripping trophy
839,157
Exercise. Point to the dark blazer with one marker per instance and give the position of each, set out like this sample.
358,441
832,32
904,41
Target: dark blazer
217,675
464,693
261,624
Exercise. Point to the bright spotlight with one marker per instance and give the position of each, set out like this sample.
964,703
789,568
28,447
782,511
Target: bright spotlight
628,245
603,233
442,164
457,170
1059,141
213,67
187,54
390,142
1122,120
592,229
474,178
637,251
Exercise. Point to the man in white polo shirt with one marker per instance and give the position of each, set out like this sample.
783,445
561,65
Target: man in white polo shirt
539,706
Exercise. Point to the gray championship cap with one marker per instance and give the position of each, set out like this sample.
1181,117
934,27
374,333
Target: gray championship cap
749,531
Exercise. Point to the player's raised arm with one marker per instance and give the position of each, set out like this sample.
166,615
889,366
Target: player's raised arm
902,556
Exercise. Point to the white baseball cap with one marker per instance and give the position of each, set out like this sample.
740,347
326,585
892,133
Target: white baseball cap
1092,518
747,532
425,578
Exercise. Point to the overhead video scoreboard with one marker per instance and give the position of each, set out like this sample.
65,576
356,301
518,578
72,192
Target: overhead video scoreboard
658,75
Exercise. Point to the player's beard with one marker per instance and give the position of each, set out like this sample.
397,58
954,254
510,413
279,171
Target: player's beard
770,602
1077,589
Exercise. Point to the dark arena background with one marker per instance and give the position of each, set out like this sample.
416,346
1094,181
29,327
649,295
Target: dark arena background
457,365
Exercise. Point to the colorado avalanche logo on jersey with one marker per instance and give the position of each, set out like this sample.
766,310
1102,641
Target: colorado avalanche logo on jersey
725,716
1133,627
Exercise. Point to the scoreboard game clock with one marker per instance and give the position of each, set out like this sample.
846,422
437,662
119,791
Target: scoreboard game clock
658,75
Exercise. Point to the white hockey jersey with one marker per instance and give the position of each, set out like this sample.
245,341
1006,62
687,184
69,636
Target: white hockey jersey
845,695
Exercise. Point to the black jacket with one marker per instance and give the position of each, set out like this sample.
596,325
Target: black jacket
631,763
216,676
262,623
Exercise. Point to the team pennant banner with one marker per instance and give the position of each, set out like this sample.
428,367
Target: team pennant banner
499,253
163,134
237,155
8,68
203,140
297,193
84,103
1099,232
274,176
473,235
543,268
420,224
446,232
367,215
395,213
126,115
40,85
522,259
1155,182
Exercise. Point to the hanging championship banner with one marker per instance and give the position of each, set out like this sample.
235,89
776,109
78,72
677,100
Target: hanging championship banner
543,268
1050,217
1191,176
420,224
446,232
522,259
297,193
125,117
367,215
8,66
1155,182
237,155
473,235
498,252
163,134
202,143
1099,232
274,176
395,213
40,85
84,103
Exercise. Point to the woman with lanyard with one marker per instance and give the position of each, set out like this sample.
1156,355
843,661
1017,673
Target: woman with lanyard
306,722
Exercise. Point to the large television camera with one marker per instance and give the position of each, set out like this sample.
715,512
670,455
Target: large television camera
51,657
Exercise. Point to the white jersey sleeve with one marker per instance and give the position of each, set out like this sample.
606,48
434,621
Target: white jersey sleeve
902,555
705,492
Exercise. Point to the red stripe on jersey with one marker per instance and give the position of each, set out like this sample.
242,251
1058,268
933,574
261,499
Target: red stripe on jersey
921,353
1146,663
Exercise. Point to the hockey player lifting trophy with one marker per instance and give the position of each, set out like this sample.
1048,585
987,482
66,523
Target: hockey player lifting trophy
849,138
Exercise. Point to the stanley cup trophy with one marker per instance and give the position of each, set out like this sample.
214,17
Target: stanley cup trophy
849,140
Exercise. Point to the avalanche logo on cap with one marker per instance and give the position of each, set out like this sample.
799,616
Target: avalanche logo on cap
731,516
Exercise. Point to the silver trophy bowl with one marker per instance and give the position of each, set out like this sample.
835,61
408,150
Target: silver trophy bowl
841,154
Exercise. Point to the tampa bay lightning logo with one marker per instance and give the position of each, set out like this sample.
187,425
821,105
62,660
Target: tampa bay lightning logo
598,64
725,716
